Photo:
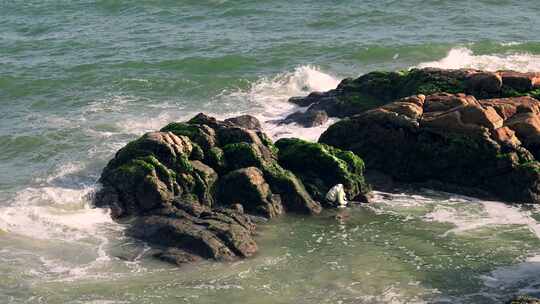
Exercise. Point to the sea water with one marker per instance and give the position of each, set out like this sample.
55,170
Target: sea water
80,79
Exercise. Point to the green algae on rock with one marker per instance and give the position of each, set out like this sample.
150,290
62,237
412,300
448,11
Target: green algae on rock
374,89
189,185
320,167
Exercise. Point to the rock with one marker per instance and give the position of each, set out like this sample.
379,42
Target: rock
192,189
294,196
247,186
206,238
441,102
245,121
320,167
142,176
505,136
527,128
508,107
375,89
483,84
456,140
176,256
306,101
306,119
521,82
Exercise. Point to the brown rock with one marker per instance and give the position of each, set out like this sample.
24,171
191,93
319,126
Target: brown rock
505,136
507,107
409,109
443,102
415,99
483,82
245,121
526,126
520,81
182,234
485,117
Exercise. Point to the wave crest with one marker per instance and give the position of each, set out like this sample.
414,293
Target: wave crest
462,57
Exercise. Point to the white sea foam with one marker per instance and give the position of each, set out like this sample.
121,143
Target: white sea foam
267,99
465,58
53,213
474,215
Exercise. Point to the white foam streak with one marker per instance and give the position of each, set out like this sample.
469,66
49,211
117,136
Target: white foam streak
489,214
53,213
465,58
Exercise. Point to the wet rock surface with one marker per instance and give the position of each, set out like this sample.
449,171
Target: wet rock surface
194,189
307,119
449,138
354,96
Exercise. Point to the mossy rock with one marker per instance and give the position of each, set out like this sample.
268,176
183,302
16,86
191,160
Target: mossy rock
294,196
374,89
320,167
148,173
241,155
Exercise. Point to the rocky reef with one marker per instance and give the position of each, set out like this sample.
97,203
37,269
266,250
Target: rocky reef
450,138
466,128
354,96
195,189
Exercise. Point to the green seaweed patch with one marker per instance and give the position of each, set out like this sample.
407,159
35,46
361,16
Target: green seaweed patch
183,164
531,166
197,152
378,84
268,142
357,102
215,158
180,128
418,81
315,162
535,93
241,155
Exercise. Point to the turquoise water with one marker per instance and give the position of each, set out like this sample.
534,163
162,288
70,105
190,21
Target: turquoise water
79,79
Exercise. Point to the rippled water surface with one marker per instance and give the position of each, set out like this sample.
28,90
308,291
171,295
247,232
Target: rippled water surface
79,79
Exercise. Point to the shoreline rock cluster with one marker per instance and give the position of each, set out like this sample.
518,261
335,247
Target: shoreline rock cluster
354,96
196,189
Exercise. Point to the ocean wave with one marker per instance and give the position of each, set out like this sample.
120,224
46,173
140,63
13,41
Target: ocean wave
57,213
267,99
463,57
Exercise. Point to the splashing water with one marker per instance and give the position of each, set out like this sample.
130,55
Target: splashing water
458,58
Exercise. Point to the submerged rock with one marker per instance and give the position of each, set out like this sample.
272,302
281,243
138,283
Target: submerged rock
453,138
354,96
192,189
